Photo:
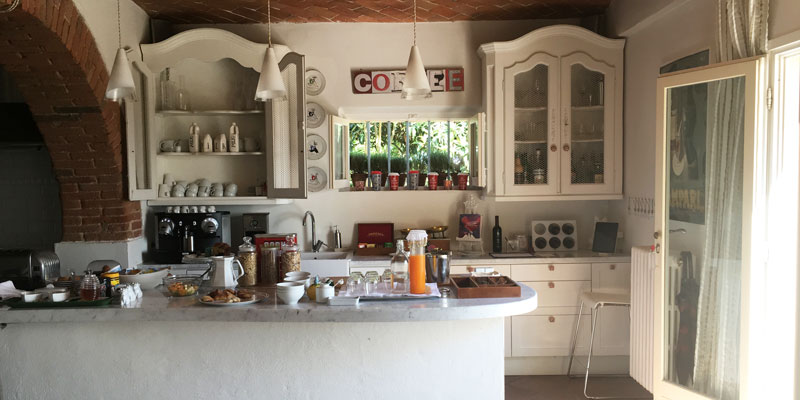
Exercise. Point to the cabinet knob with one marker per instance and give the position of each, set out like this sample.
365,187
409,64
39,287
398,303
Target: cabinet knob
551,285
552,319
566,147
551,267
612,267
554,148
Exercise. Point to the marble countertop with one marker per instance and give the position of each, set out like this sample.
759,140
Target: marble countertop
580,256
156,306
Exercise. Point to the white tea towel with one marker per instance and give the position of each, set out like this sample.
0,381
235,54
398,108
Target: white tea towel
7,290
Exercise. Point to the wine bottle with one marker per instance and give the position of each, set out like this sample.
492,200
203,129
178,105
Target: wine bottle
497,236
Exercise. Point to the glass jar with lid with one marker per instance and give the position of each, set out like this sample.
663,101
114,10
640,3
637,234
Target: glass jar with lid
90,286
290,259
249,260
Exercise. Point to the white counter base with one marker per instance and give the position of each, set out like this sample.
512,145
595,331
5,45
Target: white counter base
241,360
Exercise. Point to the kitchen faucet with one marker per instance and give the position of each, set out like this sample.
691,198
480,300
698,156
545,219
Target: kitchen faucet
315,244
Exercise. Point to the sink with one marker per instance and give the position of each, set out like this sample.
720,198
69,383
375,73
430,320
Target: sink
323,256
325,263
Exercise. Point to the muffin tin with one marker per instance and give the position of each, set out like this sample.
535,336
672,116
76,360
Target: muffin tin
554,235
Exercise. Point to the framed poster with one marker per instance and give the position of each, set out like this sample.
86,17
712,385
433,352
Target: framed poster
469,227
687,141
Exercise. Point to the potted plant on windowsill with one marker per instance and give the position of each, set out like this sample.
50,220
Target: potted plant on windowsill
418,163
399,166
358,168
380,162
440,164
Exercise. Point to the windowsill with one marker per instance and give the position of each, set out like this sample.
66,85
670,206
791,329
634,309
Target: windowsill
403,189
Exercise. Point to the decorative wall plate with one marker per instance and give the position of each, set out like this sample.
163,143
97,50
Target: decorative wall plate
315,82
316,146
317,179
315,115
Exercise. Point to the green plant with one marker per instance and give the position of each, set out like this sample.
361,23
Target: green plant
399,165
379,162
439,162
358,163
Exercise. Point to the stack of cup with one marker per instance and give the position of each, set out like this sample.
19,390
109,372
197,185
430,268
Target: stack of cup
413,180
394,181
433,180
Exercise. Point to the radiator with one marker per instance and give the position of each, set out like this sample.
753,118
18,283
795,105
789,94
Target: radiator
642,297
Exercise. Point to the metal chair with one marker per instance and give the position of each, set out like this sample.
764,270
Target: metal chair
596,300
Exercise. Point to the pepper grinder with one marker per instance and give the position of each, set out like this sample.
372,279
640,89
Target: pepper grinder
337,237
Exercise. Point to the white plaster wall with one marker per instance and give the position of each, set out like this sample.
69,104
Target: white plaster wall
101,18
335,49
217,360
679,28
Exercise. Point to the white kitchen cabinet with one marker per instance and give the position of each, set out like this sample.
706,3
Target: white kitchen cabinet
215,72
547,335
554,113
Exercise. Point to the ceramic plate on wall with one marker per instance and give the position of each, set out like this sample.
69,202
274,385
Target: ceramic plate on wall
316,146
315,82
315,115
317,179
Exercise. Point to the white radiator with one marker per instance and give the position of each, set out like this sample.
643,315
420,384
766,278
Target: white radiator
642,296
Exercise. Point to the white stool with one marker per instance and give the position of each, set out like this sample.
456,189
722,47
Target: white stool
596,300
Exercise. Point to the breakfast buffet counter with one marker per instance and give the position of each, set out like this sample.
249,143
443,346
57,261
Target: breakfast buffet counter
165,348
157,306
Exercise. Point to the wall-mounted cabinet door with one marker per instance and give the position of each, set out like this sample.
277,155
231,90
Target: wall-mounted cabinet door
531,95
286,134
588,134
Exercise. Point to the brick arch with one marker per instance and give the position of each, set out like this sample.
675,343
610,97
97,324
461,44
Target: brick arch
49,51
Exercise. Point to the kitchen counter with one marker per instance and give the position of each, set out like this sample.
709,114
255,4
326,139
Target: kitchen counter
577,257
414,349
156,306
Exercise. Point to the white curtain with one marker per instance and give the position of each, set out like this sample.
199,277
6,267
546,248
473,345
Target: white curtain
742,32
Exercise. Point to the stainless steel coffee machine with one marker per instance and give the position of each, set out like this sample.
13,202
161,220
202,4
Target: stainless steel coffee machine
193,233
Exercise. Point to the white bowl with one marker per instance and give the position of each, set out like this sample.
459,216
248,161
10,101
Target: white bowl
59,296
145,281
298,274
30,297
290,292
306,281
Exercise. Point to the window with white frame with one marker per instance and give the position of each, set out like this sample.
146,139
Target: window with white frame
445,146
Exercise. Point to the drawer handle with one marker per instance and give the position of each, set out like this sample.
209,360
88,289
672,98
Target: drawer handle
551,285
613,267
551,267
552,319
554,148
566,147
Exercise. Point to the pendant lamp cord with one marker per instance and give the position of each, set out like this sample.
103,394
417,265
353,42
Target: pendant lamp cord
269,23
10,8
119,27
415,22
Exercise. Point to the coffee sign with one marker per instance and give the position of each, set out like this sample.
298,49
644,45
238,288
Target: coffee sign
441,80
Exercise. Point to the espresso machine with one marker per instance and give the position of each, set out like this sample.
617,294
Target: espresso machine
193,233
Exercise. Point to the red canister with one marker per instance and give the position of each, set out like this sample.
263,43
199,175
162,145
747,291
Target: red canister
394,181
462,181
433,180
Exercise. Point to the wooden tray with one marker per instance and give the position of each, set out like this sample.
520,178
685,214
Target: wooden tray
473,287
18,303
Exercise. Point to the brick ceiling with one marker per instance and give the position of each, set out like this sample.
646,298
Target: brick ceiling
254,11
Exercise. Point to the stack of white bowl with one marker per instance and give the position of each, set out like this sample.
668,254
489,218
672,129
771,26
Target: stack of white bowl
298,276
291,292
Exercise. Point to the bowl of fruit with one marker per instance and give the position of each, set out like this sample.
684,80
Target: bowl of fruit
182,286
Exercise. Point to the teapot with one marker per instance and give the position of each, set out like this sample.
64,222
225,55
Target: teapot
224,275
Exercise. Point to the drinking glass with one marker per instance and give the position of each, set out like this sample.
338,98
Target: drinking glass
355,284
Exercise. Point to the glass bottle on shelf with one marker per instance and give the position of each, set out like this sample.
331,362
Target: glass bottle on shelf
182,96
538,169
519,171
583,171
399,270
598,172
168,90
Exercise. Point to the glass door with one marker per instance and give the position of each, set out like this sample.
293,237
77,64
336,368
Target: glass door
705,182
531,150
587,137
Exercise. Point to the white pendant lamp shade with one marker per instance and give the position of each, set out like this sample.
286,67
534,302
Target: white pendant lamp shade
416,85
270,82
120,82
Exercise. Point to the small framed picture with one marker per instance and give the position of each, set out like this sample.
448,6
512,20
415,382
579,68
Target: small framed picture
469,227
605,237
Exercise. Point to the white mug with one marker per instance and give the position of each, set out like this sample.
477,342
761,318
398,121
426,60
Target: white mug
203,182
167,145
203,191
230,190
212,209
169,179
169,209
202,209
217,190
191,190
163,190
185,209
178,190
182,183
193,209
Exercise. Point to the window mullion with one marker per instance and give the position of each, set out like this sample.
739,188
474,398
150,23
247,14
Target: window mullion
408,151
369,159
448,142
429,146
389,146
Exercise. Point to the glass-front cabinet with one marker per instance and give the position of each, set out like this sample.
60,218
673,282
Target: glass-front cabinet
195,122
555,112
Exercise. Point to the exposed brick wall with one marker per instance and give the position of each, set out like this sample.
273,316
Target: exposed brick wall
255,11
51,54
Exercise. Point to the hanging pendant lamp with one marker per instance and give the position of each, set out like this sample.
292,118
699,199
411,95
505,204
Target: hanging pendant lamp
270,82
120,81
416,85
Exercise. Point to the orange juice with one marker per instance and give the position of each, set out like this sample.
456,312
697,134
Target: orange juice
416,273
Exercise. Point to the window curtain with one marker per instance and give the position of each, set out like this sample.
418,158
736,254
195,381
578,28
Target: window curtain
742,32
